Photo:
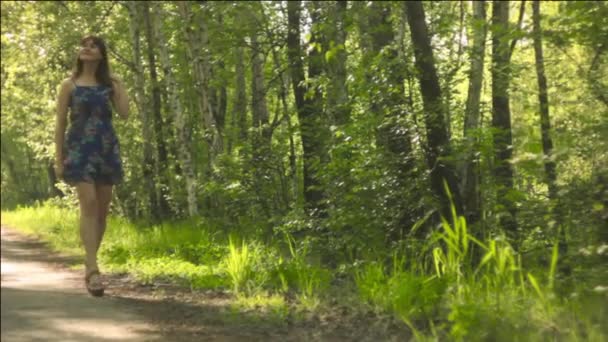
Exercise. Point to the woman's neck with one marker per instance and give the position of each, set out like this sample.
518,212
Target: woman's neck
88,70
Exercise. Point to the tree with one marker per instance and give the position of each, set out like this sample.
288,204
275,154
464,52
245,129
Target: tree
177,111
218,96
240,99
501,115
472,113
545,122
312,125
142,106
163,206
543,102
262,136
437,138
337,92
196,35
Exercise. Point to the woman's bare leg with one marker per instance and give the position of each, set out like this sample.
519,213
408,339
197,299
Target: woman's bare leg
104,197
88,222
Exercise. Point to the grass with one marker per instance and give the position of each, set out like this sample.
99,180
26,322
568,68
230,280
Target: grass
498,300
239,265
448,299
270,307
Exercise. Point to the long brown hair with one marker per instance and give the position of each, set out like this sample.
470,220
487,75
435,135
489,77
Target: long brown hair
102,74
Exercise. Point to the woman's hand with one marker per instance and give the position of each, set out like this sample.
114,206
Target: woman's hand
120,99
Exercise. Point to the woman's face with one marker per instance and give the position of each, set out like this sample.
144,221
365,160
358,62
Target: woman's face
89,51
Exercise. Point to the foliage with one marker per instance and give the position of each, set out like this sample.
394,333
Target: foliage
376,227
498,299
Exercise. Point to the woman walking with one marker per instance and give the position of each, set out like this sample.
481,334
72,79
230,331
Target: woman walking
88,155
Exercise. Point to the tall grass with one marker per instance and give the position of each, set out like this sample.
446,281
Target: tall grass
59,227
239,265
439,293
176,252
496,300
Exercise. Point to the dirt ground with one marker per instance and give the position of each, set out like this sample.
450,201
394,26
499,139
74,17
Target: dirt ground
44,300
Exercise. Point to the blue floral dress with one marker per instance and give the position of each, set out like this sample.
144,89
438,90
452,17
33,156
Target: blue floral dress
91,149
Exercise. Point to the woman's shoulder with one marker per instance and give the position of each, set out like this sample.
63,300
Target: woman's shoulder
68,83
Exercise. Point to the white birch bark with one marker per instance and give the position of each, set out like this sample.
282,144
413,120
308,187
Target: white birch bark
140,102
259,107
185,153
197,40
471,121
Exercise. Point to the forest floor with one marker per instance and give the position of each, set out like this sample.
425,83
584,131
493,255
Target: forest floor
43,299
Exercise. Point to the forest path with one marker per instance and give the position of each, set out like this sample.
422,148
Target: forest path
43,301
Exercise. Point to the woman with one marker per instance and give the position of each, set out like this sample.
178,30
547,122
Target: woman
88,156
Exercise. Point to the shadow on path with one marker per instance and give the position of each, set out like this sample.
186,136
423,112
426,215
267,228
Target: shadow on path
33,315
42,300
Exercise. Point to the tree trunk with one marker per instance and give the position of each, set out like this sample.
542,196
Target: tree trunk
436,129
163,205
293,172
337,93
260,138
218,94
240,105
545,123
218,100
177,111
197,41
141,103
543,100
454,68
470,177
309,111
501,115
258,93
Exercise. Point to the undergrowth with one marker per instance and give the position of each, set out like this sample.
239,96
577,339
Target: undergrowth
497,299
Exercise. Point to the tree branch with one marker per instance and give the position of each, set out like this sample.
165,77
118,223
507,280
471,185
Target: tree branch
592,82
597,87
519,24
122,59
100,22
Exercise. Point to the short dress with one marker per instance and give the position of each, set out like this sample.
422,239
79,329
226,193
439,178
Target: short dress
91,149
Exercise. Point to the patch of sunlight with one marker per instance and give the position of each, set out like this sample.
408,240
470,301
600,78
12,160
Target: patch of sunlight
273,305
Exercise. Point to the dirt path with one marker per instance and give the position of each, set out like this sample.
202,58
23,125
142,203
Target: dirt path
41,301
44,300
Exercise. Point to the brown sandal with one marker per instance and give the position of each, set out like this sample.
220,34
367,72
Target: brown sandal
94,287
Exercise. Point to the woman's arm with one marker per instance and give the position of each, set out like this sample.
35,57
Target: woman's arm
63,98
120,99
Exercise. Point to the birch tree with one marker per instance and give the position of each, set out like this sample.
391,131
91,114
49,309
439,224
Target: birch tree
157,120
472,113
196,47
141,103
177,111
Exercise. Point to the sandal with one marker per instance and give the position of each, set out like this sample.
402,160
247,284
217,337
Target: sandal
94,284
